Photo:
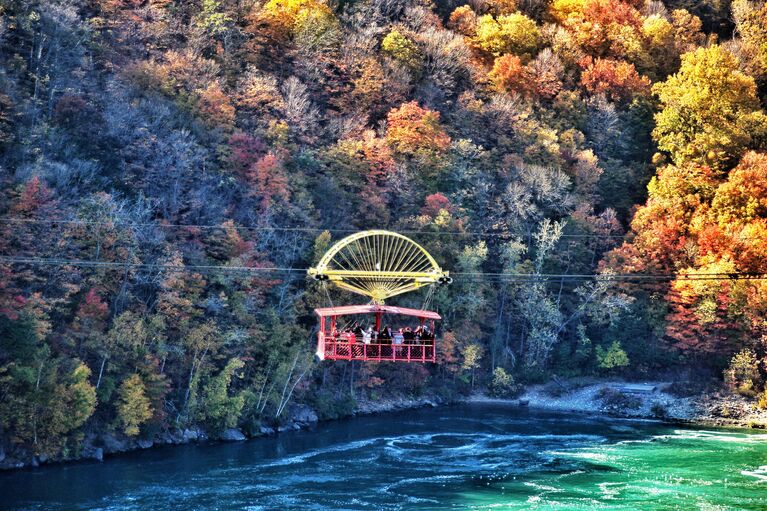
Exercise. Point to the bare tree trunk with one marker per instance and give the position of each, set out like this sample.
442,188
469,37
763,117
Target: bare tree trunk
498,326
39,375
343,377
117,307
506,348
579,310
191,375
266,399
263,386
283,404
195,365
101,370
285,388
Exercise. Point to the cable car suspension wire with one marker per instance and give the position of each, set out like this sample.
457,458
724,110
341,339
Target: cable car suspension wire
463,276
280,229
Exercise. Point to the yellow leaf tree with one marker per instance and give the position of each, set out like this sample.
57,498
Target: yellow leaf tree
134,407
710,111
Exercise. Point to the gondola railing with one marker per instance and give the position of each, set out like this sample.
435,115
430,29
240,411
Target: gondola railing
339,348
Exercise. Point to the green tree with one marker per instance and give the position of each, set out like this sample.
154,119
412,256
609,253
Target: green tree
503,384
743,374
213,20
133,406
217,407
402,49
710,111
80,396
41,405
612,357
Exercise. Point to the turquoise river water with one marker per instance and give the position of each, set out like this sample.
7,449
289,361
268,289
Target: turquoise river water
461,457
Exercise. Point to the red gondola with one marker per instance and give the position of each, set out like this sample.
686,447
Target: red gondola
334,344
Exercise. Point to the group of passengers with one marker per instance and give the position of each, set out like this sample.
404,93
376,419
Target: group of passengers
422,335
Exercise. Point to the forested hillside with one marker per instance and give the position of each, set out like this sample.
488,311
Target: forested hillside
170,168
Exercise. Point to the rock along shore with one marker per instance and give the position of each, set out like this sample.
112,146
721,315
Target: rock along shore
97,446
641,400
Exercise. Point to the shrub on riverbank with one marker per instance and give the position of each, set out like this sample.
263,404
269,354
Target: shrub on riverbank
333,405
616,401
503,384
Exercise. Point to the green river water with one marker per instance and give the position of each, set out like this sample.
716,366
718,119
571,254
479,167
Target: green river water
479,456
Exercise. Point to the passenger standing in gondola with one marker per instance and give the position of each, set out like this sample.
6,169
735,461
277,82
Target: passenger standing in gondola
371,350
408,336
357,329
427,336
418,334
385,336
398,339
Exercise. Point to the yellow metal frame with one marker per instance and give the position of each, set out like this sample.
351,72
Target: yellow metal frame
378,264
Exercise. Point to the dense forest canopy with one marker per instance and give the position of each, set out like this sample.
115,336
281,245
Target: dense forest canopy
167,164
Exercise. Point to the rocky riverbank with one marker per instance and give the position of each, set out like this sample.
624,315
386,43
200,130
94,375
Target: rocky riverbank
97,446
669,401
661,400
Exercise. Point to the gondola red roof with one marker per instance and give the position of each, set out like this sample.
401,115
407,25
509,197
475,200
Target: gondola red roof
347,310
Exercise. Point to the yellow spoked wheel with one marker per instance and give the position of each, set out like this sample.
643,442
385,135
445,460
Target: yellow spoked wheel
379,264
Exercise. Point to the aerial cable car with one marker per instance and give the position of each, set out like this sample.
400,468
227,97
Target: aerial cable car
377,264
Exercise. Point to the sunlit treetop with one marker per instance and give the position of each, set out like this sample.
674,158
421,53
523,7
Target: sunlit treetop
509,74
751,21
513,33
213,19
710,111
464,20
743,197
619,80
602,27
299,16
412,129
675,196
563,9
291,9
401,48
500,7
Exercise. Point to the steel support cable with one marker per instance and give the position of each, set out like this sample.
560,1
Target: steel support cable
285,229
21,260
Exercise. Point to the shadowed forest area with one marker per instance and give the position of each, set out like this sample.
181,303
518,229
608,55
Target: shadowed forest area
593,173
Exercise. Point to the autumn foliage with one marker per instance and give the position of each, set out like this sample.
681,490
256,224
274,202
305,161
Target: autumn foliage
412,129
619,80
701,225
509,74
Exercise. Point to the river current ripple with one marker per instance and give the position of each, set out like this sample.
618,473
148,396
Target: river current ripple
462,457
